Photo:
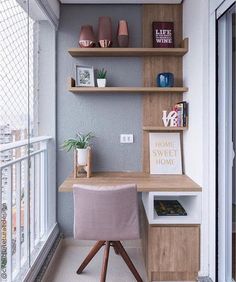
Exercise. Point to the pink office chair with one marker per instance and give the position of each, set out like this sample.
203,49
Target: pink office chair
107,214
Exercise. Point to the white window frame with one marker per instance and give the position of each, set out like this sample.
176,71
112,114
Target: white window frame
225,146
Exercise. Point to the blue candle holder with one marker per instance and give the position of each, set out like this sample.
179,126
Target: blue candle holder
165,79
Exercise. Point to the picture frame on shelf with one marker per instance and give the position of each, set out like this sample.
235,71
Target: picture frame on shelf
163,34
84,76
165,153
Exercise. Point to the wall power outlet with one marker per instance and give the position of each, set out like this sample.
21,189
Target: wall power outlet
126,138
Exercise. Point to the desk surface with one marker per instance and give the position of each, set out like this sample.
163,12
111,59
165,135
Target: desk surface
145,182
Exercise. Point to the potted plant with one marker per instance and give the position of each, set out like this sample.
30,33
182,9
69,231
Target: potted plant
80,144
101,78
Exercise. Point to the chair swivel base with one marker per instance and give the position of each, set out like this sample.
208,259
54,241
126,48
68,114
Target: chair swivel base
119,250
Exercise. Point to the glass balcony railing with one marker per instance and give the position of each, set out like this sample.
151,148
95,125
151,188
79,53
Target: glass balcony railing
23,204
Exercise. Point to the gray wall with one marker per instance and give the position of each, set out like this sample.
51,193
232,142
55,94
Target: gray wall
106,115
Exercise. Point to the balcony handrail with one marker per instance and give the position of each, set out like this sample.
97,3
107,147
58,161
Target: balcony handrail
21,143
6,164
23,203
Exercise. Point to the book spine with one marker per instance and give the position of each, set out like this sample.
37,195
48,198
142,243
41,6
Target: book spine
181,109
180,116
180,106
185,114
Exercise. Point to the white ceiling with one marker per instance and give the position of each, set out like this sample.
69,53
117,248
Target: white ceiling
120,1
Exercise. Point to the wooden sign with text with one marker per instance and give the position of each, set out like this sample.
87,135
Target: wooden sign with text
163,34
165,153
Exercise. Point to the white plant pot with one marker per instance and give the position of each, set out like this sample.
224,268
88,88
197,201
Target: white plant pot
82,156
101,82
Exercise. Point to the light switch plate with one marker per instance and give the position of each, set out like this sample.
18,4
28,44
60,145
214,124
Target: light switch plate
126,138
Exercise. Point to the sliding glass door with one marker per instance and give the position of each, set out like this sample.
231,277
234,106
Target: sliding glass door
227,145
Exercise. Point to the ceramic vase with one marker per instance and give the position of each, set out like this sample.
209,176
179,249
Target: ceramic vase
123,34
82,156
165,79
86,37
105,32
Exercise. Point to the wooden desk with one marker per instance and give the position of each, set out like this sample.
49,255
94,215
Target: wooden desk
173,240
145,182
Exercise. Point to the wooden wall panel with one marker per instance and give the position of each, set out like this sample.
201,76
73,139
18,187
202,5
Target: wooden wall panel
154,65
170,252
153,103
159,12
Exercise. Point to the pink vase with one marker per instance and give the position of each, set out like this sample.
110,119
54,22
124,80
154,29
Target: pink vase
105,32
123,34
86,37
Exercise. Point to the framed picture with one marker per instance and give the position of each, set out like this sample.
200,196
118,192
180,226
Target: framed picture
84,76
163,34
165,153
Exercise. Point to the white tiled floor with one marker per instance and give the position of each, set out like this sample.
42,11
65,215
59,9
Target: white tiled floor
66,262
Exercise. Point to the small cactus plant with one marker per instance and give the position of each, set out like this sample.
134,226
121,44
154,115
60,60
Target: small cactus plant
102,73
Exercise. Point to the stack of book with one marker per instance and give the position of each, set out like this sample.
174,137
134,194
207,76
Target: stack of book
181,109
169,208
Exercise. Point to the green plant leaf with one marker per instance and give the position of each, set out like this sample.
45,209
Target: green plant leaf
81,141
101,74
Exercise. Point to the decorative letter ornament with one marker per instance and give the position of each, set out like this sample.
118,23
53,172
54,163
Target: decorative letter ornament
170,119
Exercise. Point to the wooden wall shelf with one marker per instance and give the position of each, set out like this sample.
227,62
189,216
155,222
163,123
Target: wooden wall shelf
129,52
91,90
127,90
162,128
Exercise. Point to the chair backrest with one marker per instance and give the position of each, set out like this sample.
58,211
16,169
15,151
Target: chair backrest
107,213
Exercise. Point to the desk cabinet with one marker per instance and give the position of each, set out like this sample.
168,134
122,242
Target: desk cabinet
171,252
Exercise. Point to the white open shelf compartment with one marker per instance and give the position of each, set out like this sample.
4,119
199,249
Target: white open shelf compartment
191,202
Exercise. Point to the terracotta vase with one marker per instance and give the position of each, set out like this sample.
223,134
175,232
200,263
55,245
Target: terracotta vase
105,32
86,37
123,34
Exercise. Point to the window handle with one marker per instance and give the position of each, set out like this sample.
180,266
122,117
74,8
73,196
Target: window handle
232,152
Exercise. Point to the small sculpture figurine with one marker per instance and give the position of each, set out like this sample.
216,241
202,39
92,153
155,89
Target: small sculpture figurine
170,119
